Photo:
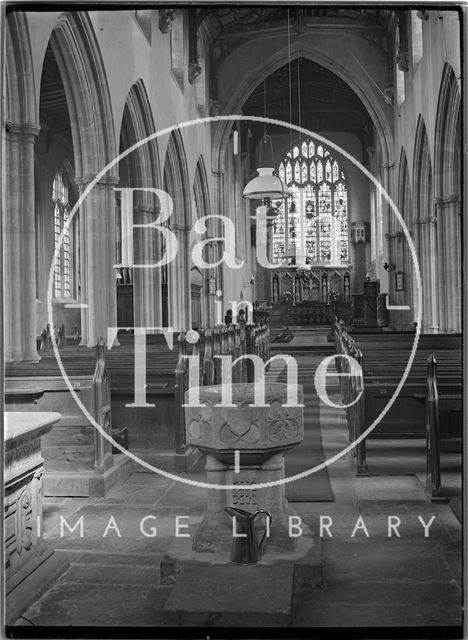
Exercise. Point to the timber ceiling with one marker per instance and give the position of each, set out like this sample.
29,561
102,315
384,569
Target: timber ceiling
327,102
232,21
53,110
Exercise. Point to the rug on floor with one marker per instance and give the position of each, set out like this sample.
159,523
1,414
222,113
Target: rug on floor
316,486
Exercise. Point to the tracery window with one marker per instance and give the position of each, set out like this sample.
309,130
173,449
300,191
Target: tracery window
64,277
313,226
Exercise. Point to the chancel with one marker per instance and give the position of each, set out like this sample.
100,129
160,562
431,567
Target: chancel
232,301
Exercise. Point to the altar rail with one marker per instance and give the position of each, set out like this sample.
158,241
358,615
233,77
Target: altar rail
309,313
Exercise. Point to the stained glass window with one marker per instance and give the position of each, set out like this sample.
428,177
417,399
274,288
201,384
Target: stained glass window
63,267
313,226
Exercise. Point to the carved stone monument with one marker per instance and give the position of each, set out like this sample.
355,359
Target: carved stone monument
31,565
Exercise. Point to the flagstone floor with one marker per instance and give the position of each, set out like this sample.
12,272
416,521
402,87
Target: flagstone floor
369,578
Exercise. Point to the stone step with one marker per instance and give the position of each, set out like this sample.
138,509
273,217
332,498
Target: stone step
115,574
69,458
105,568
110,559
73,435
232,596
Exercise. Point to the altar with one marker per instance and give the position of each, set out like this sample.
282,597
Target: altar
310,296
315,284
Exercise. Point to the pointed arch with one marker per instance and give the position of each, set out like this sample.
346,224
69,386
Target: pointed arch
447,188
137,170
401,253
448,136
76,51
137,124
344,69
79,60
176,178
424,226
176,285
422,173
201,190
199,285
404,189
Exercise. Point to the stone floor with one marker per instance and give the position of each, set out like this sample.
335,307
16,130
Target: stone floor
369,579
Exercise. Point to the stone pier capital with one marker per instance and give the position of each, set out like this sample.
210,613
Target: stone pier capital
84,180
179,228
22,129
146,210
444,201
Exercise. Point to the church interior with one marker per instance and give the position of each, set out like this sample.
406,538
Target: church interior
201,204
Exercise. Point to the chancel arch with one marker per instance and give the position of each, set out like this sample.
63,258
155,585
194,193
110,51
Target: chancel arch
270,61
424,227
447,178
139,298
176,277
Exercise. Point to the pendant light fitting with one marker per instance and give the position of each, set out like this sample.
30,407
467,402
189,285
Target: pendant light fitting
266,186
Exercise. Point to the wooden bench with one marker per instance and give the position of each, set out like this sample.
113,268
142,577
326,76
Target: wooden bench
383,358
78,459
156,432
441,409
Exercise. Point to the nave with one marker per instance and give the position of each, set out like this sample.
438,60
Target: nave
123,580
185,187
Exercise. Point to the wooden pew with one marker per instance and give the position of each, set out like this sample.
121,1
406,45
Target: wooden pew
383,359
440,410
157,432
78,459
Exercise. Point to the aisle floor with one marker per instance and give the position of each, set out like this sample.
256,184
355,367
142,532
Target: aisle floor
369,579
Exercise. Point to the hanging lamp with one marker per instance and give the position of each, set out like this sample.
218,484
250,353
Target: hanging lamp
266,186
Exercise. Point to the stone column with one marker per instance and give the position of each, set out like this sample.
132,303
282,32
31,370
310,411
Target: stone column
428,266
147,300
416,236
449,262
19,244
215,248
389,218
360,236
97,260
179,283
